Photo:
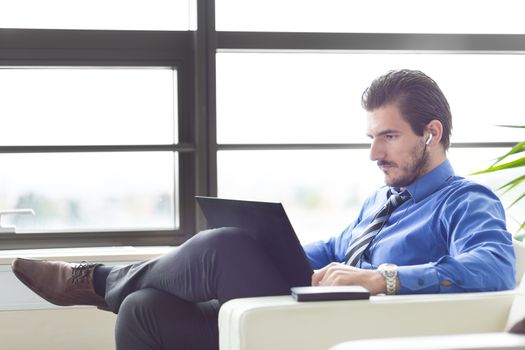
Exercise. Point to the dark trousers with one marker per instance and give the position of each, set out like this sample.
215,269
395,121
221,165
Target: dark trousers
172,302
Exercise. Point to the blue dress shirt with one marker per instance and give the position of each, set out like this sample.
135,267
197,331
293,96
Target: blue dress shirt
449,237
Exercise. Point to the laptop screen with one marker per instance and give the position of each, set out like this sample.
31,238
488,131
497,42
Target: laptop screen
268,224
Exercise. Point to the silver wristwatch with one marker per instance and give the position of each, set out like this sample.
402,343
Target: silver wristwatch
389,272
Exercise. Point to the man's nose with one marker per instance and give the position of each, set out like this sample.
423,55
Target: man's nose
376,151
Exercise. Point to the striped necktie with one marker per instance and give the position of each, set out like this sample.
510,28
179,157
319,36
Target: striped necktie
359,244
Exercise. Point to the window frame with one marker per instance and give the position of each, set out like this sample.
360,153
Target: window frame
310,42
101,48
366,43
193,53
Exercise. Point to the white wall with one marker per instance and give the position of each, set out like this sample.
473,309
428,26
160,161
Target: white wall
57,329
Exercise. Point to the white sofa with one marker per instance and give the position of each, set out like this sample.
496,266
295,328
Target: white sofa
483,341
497,339
282,323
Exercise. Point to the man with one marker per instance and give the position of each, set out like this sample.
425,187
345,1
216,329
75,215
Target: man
427,231
449,235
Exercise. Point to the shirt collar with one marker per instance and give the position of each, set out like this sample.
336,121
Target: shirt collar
431,182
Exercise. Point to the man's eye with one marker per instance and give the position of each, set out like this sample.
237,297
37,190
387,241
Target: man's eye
390,137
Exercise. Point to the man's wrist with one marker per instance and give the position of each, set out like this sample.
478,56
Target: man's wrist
389,272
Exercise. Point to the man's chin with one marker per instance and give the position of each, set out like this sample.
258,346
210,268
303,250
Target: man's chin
389,181
395,182
399,183
390,184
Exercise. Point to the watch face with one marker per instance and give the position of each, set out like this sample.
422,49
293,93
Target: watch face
390,273
387,267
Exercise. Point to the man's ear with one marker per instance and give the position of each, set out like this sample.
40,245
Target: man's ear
435,132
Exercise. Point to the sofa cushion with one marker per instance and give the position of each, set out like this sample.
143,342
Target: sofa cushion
485,341
517,311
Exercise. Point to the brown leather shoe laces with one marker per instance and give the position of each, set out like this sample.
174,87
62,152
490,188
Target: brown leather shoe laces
80,272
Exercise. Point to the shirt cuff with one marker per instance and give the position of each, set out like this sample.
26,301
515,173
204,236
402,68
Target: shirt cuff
418,279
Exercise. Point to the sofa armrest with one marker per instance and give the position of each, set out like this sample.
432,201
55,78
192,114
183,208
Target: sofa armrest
484,341
282,323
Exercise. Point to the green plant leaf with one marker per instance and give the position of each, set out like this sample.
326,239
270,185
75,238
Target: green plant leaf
519,229
517,199
510,185
512,126
514,164
520,147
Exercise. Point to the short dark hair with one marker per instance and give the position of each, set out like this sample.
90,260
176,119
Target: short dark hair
419,99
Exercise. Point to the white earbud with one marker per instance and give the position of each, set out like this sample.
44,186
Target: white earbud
429,140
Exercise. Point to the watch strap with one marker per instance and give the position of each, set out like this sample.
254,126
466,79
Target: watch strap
389,272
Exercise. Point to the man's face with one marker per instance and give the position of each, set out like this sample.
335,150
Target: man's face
398,151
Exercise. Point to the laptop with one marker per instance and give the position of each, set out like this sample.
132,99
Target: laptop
269,225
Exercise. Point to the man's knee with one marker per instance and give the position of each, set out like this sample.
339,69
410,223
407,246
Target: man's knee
145,304
138,302
230,238
158,320
135,327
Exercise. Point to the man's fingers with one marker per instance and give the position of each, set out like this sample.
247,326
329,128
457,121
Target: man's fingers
319,275
338,274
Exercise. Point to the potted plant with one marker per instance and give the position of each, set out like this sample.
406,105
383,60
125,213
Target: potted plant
511,160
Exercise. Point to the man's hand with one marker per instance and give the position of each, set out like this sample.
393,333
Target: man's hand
337,274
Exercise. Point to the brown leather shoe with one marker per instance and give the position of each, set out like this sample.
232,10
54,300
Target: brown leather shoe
59,282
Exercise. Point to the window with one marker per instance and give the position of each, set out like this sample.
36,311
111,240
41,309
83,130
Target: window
90,191
99,14
97,136
372,16
322,190
112,123
316,97
290,127
312,100
88,105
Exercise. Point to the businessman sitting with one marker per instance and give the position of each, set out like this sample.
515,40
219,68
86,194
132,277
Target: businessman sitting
426,231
